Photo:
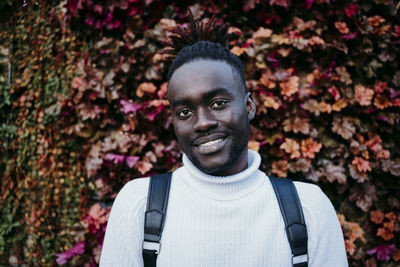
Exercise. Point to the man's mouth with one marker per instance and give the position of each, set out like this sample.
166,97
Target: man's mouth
210,144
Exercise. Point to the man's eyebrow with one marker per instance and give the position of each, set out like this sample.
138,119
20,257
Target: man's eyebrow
180,102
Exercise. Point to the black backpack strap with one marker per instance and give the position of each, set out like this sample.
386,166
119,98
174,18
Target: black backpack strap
157,201
292,213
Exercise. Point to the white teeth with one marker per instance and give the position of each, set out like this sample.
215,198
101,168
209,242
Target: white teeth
210,143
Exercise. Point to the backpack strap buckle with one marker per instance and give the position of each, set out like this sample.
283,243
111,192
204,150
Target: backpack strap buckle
300,260
153,246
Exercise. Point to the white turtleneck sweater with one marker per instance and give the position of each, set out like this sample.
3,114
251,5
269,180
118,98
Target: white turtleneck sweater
221,222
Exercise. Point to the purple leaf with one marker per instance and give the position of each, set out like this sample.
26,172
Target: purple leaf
117,159
129,107
89,20
152,115
394,93
382,118
383,251
349,36
309,3
62,258
116,23
131,161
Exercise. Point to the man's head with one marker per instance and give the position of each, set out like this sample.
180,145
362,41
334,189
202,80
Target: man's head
211,108
211,111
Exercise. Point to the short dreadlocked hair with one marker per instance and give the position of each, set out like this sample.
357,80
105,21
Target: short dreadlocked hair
202,41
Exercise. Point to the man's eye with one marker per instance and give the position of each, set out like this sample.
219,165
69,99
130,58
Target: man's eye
185,113
219,104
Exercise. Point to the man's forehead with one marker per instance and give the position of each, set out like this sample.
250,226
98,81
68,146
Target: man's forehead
210,67
203,74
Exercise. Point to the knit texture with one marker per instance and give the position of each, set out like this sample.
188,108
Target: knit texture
221,221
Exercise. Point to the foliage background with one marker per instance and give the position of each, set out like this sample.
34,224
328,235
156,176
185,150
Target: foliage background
82,112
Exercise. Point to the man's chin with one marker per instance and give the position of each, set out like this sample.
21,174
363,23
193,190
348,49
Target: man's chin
217,169
223,163
214,171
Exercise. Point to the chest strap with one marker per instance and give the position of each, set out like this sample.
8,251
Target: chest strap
154,217
292,214
289,205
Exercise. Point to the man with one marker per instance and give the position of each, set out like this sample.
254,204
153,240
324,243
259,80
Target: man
222,210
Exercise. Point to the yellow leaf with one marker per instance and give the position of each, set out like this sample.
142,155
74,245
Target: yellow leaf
253,145
339,105
262,33
270,102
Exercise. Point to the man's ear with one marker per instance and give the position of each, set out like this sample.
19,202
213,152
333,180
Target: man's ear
251,106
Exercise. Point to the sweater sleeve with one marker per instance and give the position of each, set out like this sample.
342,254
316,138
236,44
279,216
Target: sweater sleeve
122,244
325,237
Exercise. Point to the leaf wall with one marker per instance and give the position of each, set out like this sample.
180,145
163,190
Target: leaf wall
84,111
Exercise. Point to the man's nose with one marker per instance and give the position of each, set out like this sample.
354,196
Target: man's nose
204,121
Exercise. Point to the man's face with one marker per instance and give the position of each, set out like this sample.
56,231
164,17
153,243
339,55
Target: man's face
211,113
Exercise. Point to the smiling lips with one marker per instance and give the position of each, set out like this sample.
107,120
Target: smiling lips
210,144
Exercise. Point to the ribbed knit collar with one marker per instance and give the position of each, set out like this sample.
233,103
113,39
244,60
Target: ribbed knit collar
225,187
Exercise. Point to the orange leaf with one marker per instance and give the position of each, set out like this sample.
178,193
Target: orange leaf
350,246
342,27
376,216
361,164
389,225
316,40
238,51
325,107
309,147
375,20
381,101
144,166
266,81
290,87
391,216
146,87
396,255
380,86
291,147
163,90
298,125
280,168
363,95
384,233
375,143
355,231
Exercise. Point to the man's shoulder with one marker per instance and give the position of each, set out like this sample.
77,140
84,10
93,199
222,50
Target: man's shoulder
311,196
313,200
307,188
134,190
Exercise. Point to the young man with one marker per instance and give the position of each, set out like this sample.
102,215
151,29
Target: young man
222,210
